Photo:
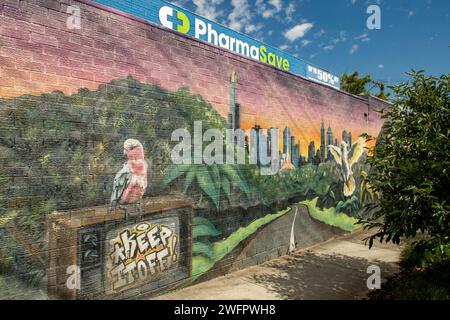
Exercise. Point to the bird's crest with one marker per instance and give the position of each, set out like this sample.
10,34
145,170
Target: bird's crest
130,144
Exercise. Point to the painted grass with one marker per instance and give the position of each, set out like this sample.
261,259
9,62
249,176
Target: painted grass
222,248
329,216
4,219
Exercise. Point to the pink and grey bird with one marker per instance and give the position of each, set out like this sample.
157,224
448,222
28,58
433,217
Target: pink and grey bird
130,182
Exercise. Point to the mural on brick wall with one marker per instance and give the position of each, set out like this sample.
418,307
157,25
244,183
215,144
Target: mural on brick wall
70,147
129,187
140,254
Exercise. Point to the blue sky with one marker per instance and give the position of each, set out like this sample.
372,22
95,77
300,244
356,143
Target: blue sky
333,33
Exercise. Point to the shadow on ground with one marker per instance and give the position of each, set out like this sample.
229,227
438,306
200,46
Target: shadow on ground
318,276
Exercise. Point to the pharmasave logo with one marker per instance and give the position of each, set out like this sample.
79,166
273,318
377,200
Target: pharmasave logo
174,19
177,20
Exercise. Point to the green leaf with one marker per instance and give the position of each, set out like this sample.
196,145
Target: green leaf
339,206
201,220
235,178
207,185
216,175
332,195
205,230
189,178
226,186
172,172
202,248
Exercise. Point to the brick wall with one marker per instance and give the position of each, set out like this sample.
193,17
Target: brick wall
39,54
112,54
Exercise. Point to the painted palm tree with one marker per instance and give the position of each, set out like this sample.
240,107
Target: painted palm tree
346,158
213,179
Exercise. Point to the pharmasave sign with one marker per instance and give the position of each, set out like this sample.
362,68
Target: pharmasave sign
186,22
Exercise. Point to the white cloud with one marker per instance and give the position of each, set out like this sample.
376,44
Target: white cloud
297,31
289,11
353,1
208,8
314,55
342,37
268,10
277,4
284,47
353,49
249,28
380,66
319,33
362,36
268,13
240,15
306,43
328,47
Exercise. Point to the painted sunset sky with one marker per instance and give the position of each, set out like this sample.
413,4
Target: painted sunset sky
266,99
67,60
282,107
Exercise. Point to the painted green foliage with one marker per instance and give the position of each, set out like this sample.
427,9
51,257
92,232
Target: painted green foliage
212,179
64,151
69,147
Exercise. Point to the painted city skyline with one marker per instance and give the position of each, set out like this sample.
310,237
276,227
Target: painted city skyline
292,149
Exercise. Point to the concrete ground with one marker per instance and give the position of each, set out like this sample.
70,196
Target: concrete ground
336,269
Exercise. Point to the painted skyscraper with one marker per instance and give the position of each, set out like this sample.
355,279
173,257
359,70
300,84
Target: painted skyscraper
255,145
237,116
329,142
234,119
295,152
287,141
347,137
322,142
269,140
311,152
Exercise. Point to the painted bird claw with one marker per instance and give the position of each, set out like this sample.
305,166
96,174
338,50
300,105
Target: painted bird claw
138,209
125,211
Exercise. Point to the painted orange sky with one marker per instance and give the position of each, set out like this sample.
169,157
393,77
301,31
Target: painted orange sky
303,114
35,59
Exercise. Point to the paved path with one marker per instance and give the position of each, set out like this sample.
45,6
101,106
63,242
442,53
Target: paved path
332,270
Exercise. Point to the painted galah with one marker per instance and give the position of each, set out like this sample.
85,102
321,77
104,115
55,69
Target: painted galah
130,182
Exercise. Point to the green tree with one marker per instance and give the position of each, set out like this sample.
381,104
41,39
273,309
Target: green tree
410,164
355,84
381,93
